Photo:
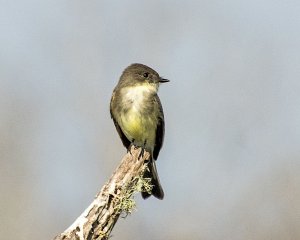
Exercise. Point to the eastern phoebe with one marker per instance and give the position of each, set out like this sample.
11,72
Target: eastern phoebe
138,116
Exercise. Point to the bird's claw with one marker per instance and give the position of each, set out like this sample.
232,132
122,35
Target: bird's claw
141,153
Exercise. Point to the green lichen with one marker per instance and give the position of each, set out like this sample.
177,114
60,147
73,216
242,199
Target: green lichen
139,184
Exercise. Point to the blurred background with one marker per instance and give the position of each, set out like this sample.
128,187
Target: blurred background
231,160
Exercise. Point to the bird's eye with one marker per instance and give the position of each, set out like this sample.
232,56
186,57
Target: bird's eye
146,74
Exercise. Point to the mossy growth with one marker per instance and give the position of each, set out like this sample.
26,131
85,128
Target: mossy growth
137,185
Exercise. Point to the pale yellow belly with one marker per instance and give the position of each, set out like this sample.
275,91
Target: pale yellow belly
140,128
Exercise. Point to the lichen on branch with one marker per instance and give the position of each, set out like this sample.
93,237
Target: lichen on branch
114,199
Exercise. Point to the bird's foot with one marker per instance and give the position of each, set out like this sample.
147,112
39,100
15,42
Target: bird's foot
141,153
129,148
143,150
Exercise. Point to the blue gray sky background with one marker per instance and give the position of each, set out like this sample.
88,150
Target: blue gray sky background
231,159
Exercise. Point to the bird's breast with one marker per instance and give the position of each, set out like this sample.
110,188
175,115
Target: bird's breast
137,98
139,117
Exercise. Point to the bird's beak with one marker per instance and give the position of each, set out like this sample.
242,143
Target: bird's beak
163,80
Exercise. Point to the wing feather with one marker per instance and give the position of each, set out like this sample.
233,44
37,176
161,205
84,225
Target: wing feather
160,130
124,139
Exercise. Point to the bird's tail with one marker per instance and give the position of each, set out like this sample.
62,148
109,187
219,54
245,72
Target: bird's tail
151,173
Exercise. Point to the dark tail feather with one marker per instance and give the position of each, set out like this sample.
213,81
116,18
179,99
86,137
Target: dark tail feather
157,190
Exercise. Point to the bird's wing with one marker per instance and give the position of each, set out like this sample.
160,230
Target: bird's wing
160,130
124,139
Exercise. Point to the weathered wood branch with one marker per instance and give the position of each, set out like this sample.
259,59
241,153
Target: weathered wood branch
115,198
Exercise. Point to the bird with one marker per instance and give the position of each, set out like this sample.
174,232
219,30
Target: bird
138,116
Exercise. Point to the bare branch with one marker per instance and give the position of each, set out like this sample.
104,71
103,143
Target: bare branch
115,197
